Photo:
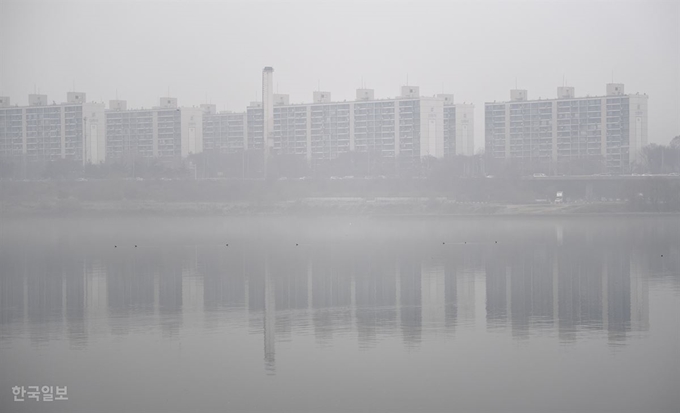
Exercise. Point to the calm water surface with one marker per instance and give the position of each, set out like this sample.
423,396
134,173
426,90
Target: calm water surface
342,315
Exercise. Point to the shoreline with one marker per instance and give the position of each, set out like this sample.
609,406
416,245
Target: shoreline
402,208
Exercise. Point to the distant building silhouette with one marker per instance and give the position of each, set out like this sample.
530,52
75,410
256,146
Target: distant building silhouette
612,128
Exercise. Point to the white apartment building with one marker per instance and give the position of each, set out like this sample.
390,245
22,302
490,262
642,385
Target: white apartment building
167,131
223,132
459,136
408,126
612,127
74,130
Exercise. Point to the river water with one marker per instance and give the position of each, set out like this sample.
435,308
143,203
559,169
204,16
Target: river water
341,315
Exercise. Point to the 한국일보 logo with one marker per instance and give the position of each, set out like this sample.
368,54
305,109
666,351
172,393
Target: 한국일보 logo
40,393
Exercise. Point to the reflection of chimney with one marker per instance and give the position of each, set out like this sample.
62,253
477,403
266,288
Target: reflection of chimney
508,293
269,322
605,295
309,286
555,292
397,288
268,111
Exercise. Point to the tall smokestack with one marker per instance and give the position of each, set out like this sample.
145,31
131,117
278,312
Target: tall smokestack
267,111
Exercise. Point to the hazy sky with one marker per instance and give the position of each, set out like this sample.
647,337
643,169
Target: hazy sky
475,50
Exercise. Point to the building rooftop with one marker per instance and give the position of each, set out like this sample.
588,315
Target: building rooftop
565,99
565,93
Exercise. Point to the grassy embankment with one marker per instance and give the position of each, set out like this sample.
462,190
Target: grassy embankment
415,198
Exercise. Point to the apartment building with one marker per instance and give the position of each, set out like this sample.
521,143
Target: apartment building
612,128
255,126
73,130
329,127
407,126
459,137
166,132
223,132
292,127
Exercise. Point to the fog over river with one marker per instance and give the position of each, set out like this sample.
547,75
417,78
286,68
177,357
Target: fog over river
342,314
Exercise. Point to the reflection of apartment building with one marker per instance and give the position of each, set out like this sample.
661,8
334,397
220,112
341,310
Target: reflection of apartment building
612,127
433,295
407,126
165,132
639,295
577,290
74,130
374,295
